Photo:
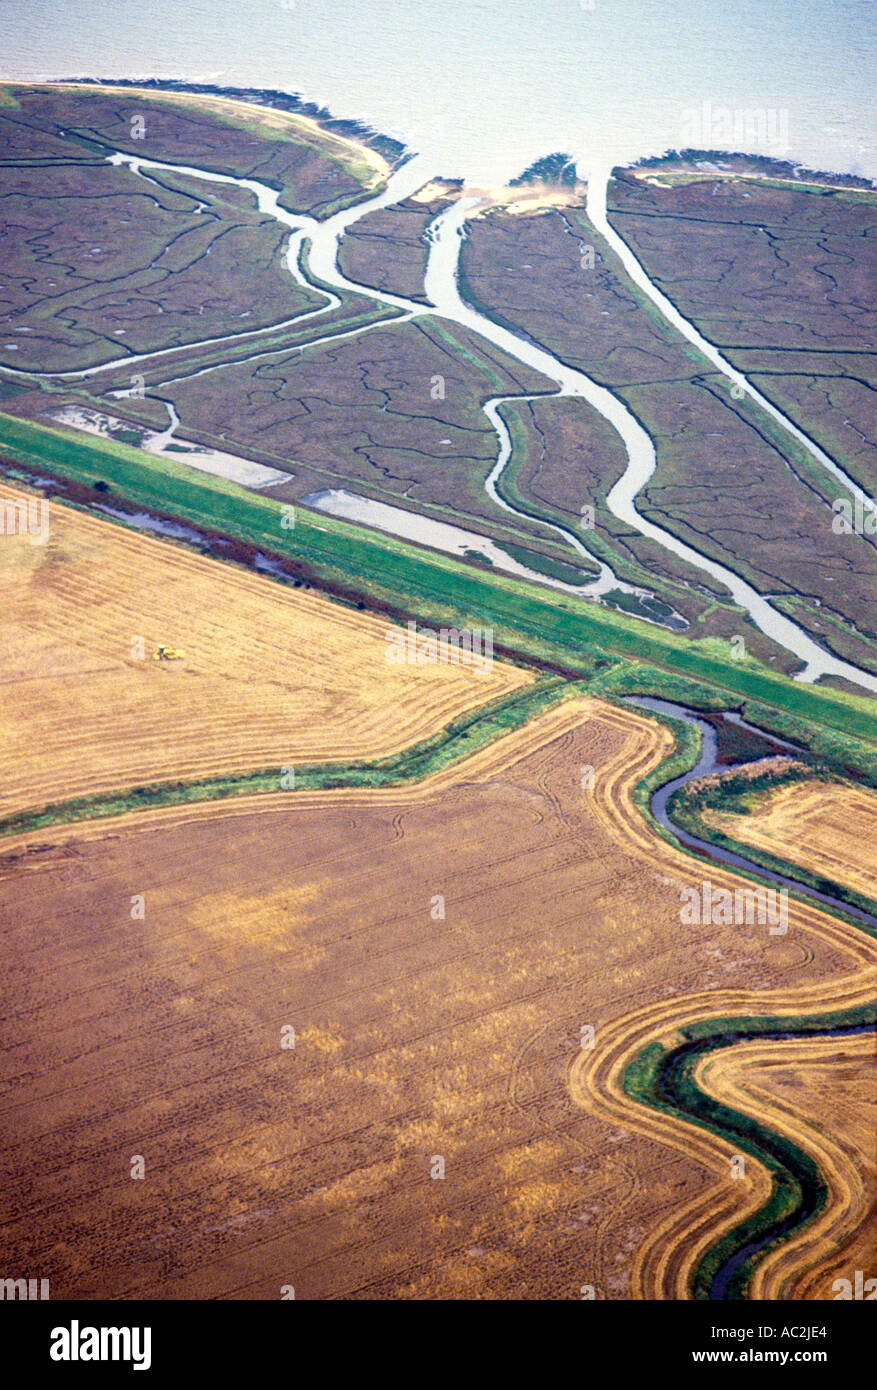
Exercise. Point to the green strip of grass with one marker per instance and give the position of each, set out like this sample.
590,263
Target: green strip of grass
664,1079
453,743
439,589
737,795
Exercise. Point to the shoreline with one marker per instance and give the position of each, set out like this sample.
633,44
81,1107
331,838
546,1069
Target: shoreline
382,154
352,131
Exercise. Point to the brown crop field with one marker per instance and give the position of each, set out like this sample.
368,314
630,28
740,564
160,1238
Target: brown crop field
437,1129
271,676
826,827
823,1092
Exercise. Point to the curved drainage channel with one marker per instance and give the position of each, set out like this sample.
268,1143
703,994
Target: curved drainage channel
706,763
442,288
674,1076
446,234
792,1168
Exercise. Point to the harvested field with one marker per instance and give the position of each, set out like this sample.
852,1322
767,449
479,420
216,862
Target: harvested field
665,1262
823,1093
270,676
571,635
826,827
438,950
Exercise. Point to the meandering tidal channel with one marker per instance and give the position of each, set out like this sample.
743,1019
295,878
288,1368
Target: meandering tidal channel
725,1270
319,241
312,260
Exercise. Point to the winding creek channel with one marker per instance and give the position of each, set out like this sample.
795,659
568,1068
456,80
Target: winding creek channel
678,1066
707,763
320,242
312,260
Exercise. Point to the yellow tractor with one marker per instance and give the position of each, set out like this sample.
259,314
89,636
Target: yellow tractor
167,654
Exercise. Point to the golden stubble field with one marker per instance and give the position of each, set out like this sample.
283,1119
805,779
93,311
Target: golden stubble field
823,1093
437,950
827,827
271,676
